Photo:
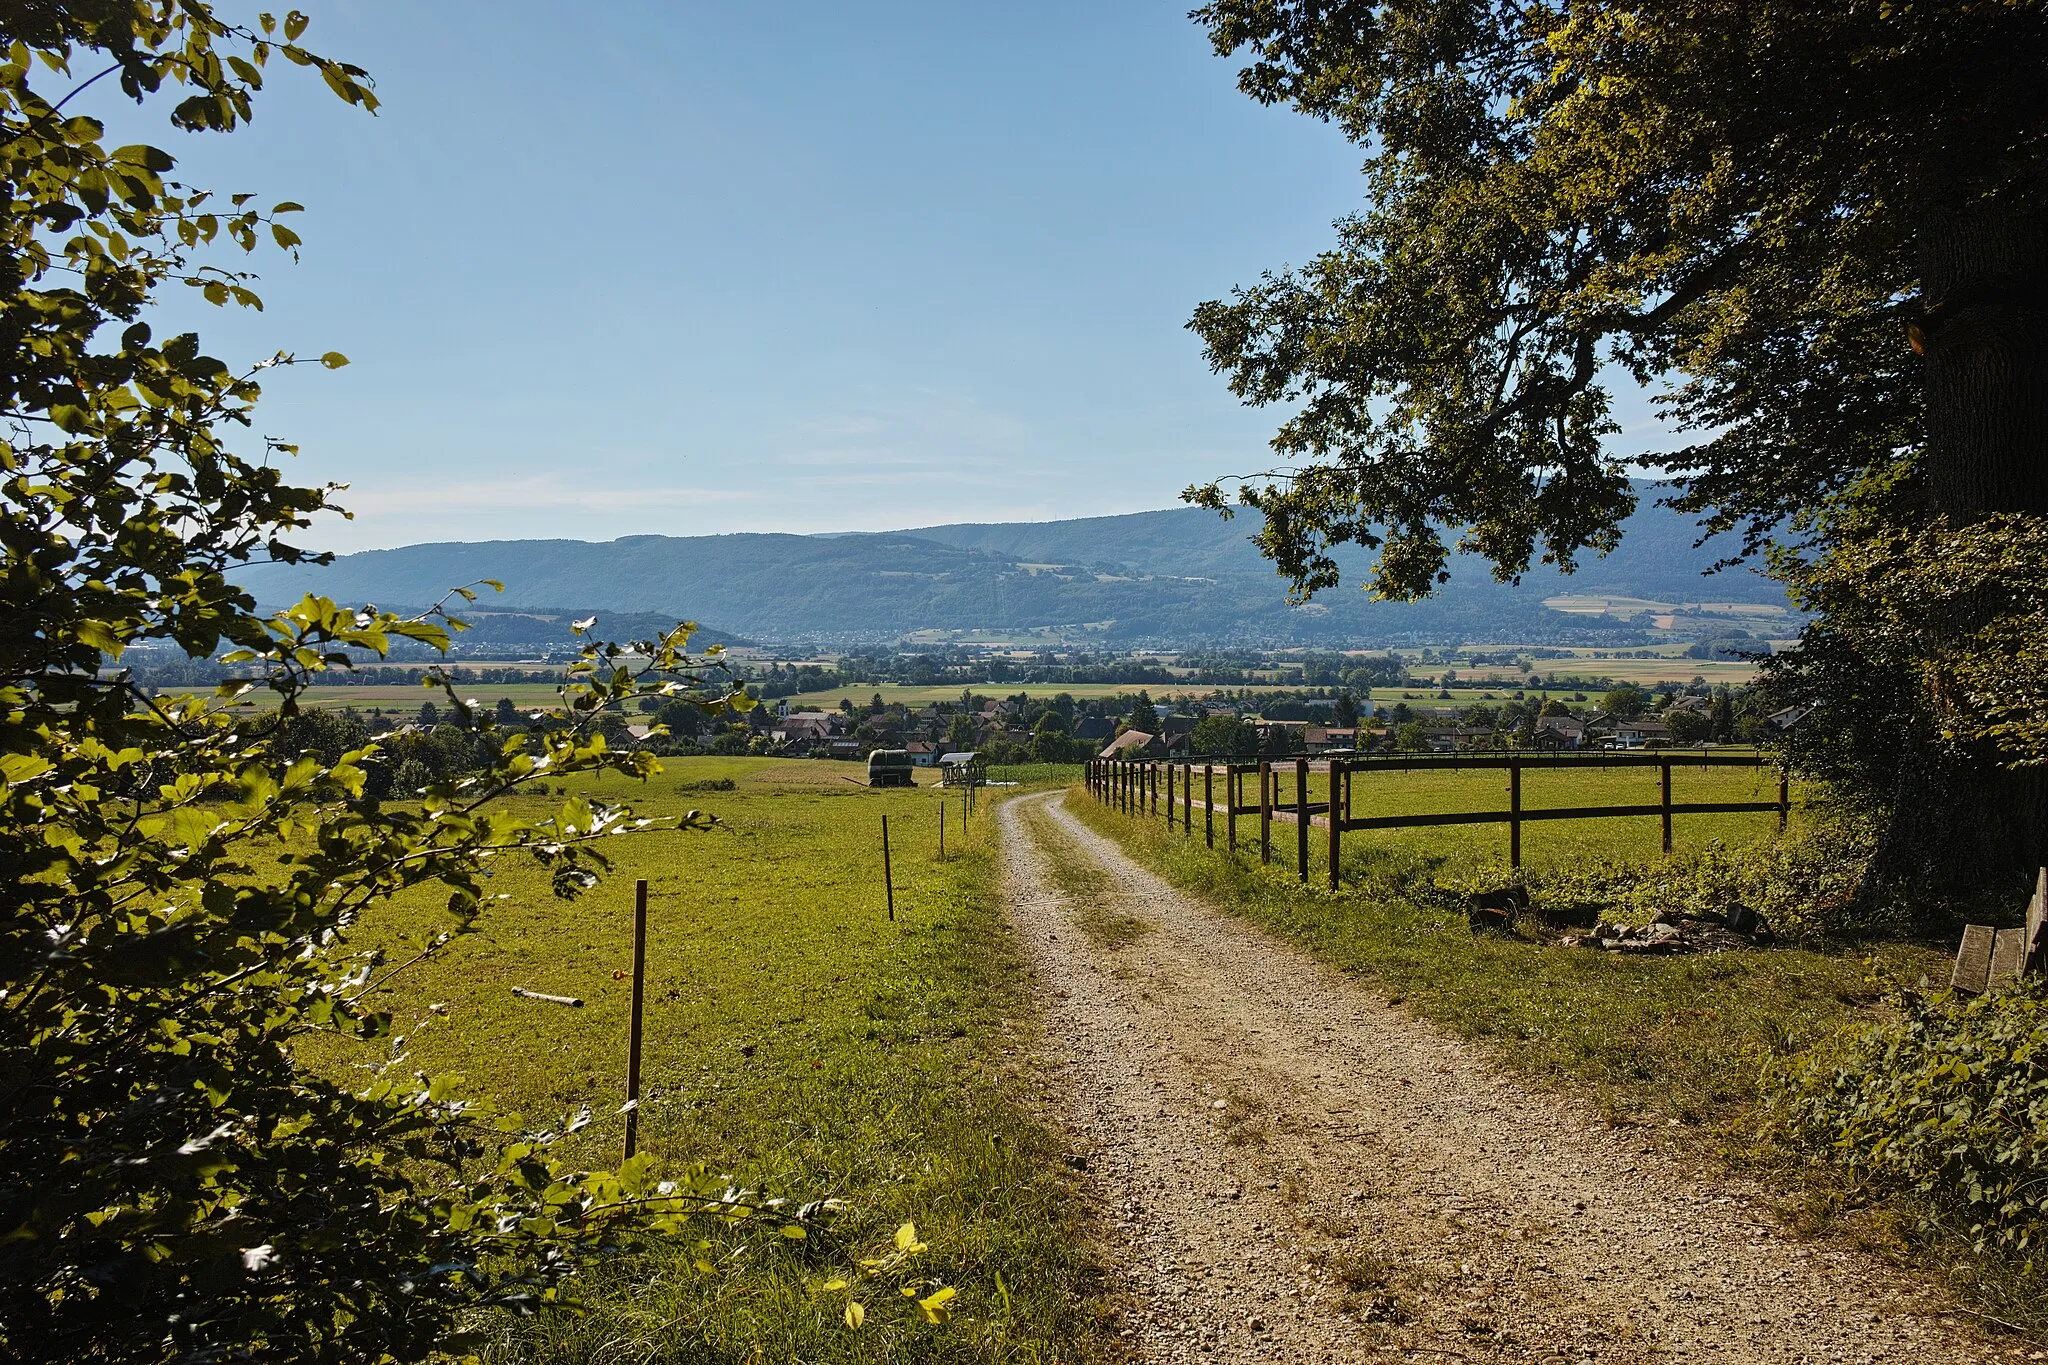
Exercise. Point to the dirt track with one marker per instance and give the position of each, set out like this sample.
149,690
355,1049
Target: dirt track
1290,1169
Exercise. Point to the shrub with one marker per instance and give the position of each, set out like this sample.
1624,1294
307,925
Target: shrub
1949,1102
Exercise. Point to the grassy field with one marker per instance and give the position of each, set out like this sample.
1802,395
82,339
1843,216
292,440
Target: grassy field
1564,843
795,1037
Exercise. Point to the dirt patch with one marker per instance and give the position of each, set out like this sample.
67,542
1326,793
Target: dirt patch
1291,1169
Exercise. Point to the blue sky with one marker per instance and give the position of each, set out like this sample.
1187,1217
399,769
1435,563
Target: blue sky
692,268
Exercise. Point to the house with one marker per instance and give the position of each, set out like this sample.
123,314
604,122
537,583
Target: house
1781,721
923,753
1094,728
1134,744
1635,734
1172,728
1446,739
1560,732
800,731
842,748
1321,739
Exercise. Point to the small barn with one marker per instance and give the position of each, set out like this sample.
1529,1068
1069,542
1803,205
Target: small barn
963,769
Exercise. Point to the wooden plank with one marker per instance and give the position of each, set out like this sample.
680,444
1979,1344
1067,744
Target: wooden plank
2008,956
2037,920
1526,759
1500,817
1973,959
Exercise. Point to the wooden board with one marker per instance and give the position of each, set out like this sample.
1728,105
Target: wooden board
1973,959
2037,920
2008,957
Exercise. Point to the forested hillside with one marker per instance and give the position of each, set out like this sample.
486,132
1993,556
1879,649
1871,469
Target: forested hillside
1175,577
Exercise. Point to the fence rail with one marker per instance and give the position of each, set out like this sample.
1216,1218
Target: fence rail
1136,786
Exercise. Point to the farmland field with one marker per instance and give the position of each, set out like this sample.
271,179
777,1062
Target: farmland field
829,698
795,1036
1559,843
407,697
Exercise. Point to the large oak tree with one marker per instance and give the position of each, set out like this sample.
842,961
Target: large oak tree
1823,226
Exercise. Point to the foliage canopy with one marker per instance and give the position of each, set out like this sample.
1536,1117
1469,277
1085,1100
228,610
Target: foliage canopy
181,873
1781,206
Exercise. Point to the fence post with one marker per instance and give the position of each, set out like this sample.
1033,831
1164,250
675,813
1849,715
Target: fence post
888,877
1664,773
1152,771
1187,800
1301,817
1209,804
1230,806
1265,812
633,1032
1336,820
1514,815
1784,798
1169,796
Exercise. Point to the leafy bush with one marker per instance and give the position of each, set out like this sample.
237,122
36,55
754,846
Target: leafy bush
1805,886
1949,1102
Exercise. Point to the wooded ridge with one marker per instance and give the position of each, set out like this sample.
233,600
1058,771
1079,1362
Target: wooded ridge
1174,577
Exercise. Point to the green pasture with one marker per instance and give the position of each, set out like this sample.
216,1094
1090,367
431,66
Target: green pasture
1565,843
795,1037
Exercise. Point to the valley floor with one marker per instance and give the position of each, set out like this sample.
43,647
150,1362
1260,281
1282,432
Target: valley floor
1287,1167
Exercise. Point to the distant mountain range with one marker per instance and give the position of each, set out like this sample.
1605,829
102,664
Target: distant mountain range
1181,577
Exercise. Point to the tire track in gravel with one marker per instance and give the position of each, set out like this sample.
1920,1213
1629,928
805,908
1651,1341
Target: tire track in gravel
1290,1169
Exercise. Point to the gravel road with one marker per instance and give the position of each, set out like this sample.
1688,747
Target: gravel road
1288,1168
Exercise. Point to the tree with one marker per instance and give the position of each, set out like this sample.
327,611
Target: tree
1144,719
1690,727
1344,714
181,873
1624,703
1721,714
1845,284
1223,734
961,734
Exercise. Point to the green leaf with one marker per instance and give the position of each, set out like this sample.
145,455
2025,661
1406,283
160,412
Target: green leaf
334,360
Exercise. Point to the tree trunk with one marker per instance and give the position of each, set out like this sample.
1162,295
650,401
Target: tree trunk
1958,818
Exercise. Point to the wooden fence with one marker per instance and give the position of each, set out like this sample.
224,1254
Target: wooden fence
1137,786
